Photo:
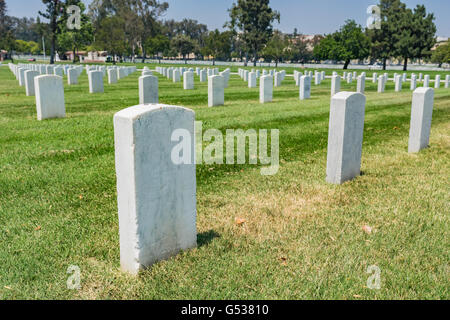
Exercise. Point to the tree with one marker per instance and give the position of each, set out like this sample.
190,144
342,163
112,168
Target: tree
53,11
183,45
7,39
344,45
111,37
300,48
254,19
441,55
218,45
158,45
276,48
147,13
383,40
73,39
416,35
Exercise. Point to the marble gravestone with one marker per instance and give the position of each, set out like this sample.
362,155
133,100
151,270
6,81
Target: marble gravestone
29,82
188,80
266,89
421,115
216,91
95,82
156,183
148,90
112,76
345,137
305,87
49,91
335,84
72,76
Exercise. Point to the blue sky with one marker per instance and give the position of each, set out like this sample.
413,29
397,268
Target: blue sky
308,16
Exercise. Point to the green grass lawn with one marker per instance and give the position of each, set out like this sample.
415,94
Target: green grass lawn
302,238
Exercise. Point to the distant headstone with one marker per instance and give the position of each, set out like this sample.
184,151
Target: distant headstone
398,83
266,89
112,76
413,82
216,94
188,80
305,87
156,183
345,137
95,82
421,115
437,82
252,80
374,77
361,84
203,77
148,90
29,82
335,85
176,76
49,92
426,81
447,81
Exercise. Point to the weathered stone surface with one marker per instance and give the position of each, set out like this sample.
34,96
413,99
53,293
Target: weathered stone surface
413,84
216,92
437,82
156,195
49,97
266,89
188,80
148,90
426,81
421,115
112,76
305,87
361,84
29,82
72,76
398,83
345,137
252,80
95,82
335,85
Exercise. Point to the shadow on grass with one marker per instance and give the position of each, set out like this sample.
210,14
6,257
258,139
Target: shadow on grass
205,238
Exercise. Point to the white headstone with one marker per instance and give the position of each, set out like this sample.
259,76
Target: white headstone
216,94
345,137
437,82
335,84
148,89
29,82
426,81
112,76
176,75
305,87
398,83
188,80
95,82
447,81
266,89
203,77
421,115
413,82
156,183
72,76
49,97
252,80
361,84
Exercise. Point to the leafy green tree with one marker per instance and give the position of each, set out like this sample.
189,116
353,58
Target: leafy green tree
277,47
53,11
7,39
74,39
158,45
300,50
183,45
383,40
111,37
253,20
441,55
347,44
415,36
218,45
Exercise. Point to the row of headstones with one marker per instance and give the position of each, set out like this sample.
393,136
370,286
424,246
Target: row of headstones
217,82
157,197
49,89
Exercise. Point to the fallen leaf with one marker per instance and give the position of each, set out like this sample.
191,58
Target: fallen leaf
356,296
81,196
37,228
240,221
7,287
283,261
367,229
395,128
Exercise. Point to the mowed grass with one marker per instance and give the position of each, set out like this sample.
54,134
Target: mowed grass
302,238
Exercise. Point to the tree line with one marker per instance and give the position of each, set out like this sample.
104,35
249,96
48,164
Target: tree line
135,28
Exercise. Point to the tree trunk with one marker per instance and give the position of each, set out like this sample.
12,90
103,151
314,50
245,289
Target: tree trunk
214,61
74,55
255,57
405,64
276,64
144,54
347,62
384,63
